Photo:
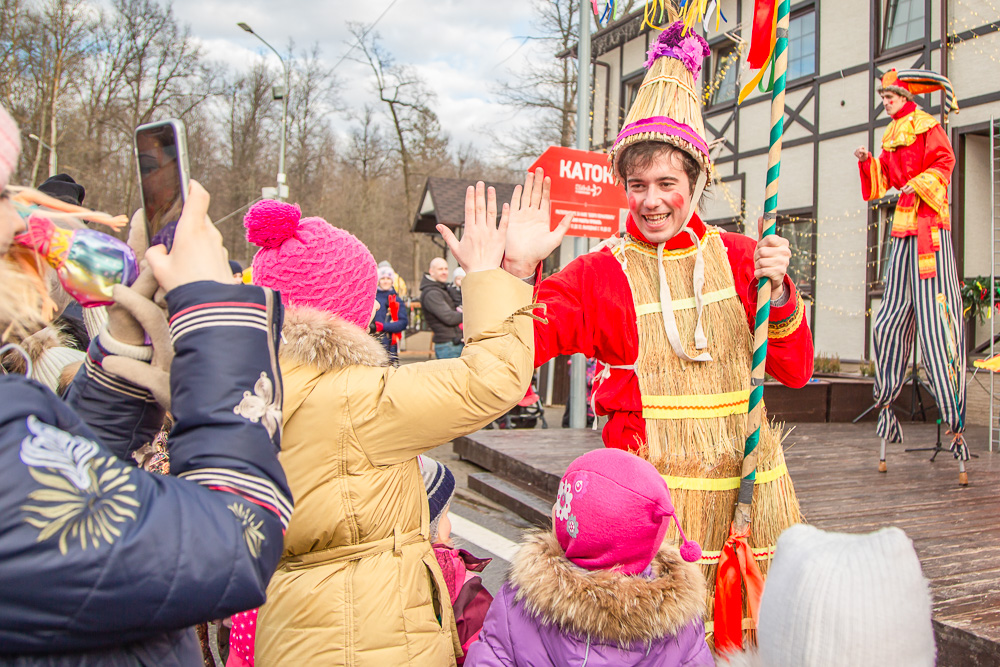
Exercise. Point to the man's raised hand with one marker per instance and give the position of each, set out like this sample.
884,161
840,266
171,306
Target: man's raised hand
529,238
483,240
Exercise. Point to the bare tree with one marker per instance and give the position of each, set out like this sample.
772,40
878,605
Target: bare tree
545,88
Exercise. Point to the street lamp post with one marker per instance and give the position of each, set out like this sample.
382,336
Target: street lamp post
53,158
284,111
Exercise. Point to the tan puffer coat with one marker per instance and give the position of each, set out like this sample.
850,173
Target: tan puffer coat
358,583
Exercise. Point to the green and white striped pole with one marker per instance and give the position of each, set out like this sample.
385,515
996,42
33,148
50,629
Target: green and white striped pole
741,520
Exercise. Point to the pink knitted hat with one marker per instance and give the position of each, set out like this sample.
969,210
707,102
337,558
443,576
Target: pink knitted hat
311,262
612,512
10,147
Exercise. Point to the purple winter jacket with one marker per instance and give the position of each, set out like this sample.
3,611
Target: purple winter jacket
551,612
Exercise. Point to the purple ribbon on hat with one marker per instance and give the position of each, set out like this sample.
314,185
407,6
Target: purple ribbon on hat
681,43
667,126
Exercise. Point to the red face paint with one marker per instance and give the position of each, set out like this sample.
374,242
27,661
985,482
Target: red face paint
676,201
633,205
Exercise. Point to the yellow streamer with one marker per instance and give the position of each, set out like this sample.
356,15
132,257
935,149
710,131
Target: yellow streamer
722,483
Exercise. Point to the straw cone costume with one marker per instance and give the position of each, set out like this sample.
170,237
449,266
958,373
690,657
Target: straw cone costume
676,387
921,279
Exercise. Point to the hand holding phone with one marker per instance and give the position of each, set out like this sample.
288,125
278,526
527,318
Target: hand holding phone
161,155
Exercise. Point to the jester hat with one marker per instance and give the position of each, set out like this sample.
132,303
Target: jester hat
667,107
910,82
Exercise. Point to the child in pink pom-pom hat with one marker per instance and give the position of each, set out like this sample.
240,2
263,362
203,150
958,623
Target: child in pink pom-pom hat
600,588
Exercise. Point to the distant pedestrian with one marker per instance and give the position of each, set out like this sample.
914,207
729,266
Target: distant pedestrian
392,317
455,287
469,598
398,283
598,589
443,314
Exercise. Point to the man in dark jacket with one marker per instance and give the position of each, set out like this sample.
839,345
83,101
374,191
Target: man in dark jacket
442,313
105,564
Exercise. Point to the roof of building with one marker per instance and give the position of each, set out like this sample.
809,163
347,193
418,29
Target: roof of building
443,202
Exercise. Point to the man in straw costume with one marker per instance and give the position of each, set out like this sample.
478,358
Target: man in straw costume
667,309
921,282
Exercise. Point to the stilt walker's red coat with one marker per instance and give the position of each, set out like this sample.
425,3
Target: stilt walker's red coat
916,151
589,308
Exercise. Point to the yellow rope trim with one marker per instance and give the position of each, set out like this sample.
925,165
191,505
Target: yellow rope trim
697,406
712,557
687,304
722,483
650,250
788,326
671,79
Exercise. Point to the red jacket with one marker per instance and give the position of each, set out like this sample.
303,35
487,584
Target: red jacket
916,152
589,308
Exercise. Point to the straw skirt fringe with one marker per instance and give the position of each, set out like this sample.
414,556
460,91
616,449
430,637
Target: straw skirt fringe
704,447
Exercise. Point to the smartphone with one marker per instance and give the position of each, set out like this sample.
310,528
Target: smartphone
162,158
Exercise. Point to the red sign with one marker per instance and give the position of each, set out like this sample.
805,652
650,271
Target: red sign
582,184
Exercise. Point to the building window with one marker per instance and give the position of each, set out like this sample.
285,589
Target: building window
879,236
721,87
902,22
800,230
802,45
630,89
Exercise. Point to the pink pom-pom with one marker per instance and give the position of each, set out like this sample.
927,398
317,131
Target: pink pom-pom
270,223
691,551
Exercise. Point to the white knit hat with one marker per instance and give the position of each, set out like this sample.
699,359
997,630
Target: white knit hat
49,367
833,599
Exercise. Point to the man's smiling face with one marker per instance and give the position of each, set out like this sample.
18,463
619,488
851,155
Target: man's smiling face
659,196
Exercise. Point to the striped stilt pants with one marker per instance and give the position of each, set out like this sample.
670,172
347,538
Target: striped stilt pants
909,304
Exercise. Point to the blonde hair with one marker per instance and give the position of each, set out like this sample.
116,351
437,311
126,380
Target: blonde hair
25,306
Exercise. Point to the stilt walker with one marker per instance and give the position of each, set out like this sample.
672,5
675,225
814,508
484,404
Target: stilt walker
668,309
921,282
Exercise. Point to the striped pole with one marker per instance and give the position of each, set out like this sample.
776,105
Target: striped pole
741,519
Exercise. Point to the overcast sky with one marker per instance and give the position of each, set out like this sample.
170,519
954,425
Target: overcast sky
460,47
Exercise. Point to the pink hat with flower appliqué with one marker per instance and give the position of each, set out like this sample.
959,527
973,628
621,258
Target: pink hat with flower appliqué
311,262
613,511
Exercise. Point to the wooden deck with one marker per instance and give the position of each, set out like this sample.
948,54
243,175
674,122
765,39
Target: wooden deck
956,530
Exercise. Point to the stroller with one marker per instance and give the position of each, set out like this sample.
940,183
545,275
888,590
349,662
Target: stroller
526,413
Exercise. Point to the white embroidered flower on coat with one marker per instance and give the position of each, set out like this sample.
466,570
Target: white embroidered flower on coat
260,406
252,533
563,500
84,497
51,447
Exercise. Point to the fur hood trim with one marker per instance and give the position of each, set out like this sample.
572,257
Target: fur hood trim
328,342
748,658
605,605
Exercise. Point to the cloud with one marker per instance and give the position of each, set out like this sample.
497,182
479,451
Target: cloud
456,46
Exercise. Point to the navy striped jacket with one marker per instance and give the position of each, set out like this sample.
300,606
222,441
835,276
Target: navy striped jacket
104,564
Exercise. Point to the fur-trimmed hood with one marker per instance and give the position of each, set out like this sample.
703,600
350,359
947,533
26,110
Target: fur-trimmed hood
605,605
748,658
328,342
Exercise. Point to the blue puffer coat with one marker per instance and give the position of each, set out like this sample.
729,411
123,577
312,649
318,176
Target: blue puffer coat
104,564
